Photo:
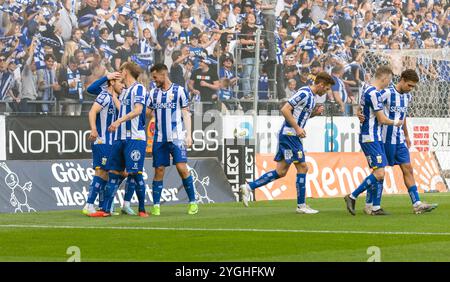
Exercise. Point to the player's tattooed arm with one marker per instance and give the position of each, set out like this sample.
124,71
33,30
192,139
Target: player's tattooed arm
286,111
405,131
381,117
360,115
187,125
138,108
318,110
95,109
148,113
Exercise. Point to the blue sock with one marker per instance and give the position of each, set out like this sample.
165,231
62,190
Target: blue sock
94,189
301,188
157,187
188,184
264,179
367,182
113,185
140,190
129,189
413,194
369,195
102,196
378,192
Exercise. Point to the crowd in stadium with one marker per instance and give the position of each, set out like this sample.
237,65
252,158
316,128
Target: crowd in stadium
53,50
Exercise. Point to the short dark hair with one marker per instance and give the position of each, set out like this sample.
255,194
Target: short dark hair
158,68
425,35
325,78
409,75
49,56
103,30
176,54
291,68
383,70
133,68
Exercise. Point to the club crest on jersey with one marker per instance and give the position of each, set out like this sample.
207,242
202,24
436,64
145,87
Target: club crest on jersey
104,160
135,155
288,154
300,154
170,97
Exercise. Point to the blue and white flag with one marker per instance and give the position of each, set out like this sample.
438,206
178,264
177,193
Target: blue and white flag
39,54
210,24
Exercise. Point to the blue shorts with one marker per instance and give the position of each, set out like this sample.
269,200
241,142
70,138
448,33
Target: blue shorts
100,155
127,154
290,149
163,150
374,152
397,154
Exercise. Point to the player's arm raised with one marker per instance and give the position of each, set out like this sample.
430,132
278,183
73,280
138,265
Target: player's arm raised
95,109
286,111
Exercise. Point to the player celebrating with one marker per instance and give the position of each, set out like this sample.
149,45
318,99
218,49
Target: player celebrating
169,103
128,149
370,139
102,114
299,108
396,100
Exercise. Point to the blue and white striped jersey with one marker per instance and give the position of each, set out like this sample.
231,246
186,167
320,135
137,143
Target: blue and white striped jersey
340,87
133,129
371,101
167,106
279,48
396,108
105,117
303,103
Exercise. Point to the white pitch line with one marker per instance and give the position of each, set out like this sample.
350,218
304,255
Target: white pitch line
226,229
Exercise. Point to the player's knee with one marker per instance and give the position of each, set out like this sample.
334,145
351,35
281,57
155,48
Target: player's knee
281,172
407,170
379,174
159,173
182,170
302,168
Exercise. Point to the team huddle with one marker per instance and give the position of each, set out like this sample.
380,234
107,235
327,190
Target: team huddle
383,138
117,120
118,117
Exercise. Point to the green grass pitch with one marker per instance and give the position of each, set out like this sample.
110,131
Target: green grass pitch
266,231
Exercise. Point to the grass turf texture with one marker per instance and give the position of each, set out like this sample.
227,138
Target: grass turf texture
40,243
